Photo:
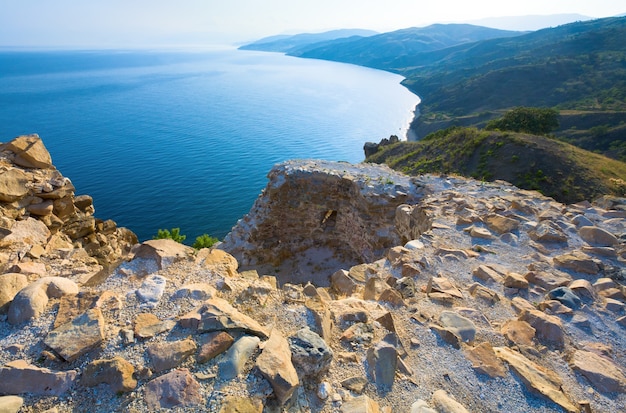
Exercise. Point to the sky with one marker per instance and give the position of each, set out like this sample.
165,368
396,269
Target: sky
157,23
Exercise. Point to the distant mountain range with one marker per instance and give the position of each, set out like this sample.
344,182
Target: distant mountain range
530,22
289,43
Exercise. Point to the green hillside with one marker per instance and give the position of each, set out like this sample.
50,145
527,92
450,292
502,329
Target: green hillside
556,169
382,50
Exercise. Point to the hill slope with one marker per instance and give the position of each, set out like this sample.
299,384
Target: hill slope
382,50
557,169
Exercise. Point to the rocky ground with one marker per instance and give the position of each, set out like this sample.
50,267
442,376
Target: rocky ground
434,294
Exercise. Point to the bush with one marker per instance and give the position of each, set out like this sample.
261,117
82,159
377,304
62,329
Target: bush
537,121
204,241
174,234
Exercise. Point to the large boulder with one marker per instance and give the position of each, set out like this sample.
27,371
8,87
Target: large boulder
13,185
275,365
30,152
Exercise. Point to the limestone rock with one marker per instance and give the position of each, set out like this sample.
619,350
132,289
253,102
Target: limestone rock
548,232
487,273
218,260
382,360
548,328
537,378
19,377
578,261
29,303
446,404
420,406
374,286
484,360
164,252
459,325
339,206
548,280
214,344
360,404
603,374
237,355
478,232
167,355
443,285
501,224
195,291
515,280
309,353
518,332
30,231
10,404
597,237
356,384
116,372
151,291
275,365
217,314
70,306
177,388
13,185
10,285
30,152
75,338
147,325
583,289
391,297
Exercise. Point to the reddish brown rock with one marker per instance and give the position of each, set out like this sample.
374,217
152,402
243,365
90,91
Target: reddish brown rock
215,343
147,325
177,388
19,377
167,355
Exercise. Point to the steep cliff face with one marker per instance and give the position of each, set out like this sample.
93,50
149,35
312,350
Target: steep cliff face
315,217
42,221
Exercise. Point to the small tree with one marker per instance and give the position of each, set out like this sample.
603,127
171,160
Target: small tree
174,234
204,241
537,121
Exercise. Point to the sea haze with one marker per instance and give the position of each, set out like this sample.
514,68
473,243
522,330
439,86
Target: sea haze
185,139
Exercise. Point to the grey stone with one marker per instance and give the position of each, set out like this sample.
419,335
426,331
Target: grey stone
75,338
151,291
237,355
382,360
459,325
566,297
310,353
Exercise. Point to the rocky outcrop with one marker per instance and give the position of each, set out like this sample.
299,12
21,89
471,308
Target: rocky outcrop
42,220
314,209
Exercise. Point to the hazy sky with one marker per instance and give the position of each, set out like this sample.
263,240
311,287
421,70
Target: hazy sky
133,23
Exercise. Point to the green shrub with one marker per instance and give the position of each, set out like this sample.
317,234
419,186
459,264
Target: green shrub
174,234
205,241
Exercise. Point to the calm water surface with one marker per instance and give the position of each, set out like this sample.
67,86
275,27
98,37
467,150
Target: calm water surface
185,139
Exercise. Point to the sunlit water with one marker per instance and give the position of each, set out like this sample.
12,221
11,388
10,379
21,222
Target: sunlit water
163,140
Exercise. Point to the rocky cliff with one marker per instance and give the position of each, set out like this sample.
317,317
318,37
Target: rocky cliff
444,295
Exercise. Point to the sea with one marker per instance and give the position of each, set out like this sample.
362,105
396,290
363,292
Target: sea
185,139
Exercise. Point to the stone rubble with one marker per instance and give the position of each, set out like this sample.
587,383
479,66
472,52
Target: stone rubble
347,288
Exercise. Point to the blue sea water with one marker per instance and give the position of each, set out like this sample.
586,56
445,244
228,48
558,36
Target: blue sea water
165,139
